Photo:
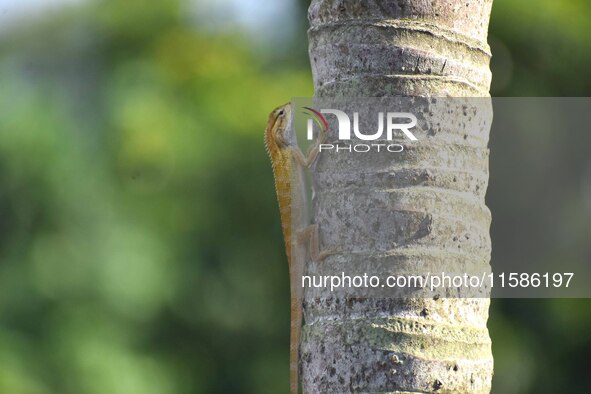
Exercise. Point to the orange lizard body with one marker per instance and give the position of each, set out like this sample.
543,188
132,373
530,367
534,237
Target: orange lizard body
288,164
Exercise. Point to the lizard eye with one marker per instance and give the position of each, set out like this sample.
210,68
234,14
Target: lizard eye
281,113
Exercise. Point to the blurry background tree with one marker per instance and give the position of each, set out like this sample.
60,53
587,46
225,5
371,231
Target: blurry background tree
137,250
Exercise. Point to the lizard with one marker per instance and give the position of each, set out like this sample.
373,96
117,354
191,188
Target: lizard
288,163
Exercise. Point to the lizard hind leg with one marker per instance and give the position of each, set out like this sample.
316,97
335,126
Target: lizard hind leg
310,236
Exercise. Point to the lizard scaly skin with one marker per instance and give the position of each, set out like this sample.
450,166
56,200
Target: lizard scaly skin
288,163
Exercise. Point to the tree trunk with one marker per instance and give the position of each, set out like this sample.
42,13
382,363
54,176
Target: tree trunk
427,48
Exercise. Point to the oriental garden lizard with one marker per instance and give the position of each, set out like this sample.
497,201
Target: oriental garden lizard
288,163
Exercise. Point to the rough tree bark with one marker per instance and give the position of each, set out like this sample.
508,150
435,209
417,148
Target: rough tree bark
376,48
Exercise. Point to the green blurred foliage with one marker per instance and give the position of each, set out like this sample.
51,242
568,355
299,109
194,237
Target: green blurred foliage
140,241
137,208
537,195
541,48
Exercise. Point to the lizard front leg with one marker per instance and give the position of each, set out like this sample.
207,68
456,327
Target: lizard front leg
310,235
310,157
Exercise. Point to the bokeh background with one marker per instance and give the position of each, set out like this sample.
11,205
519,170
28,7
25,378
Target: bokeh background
140,245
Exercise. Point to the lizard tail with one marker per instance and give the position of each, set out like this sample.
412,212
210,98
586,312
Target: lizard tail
294,344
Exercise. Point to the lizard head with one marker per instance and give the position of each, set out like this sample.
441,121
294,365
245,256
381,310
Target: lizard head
279,133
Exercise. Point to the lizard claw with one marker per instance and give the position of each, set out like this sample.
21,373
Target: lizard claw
325,253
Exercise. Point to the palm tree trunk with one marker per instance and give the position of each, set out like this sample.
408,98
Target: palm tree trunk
381,48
